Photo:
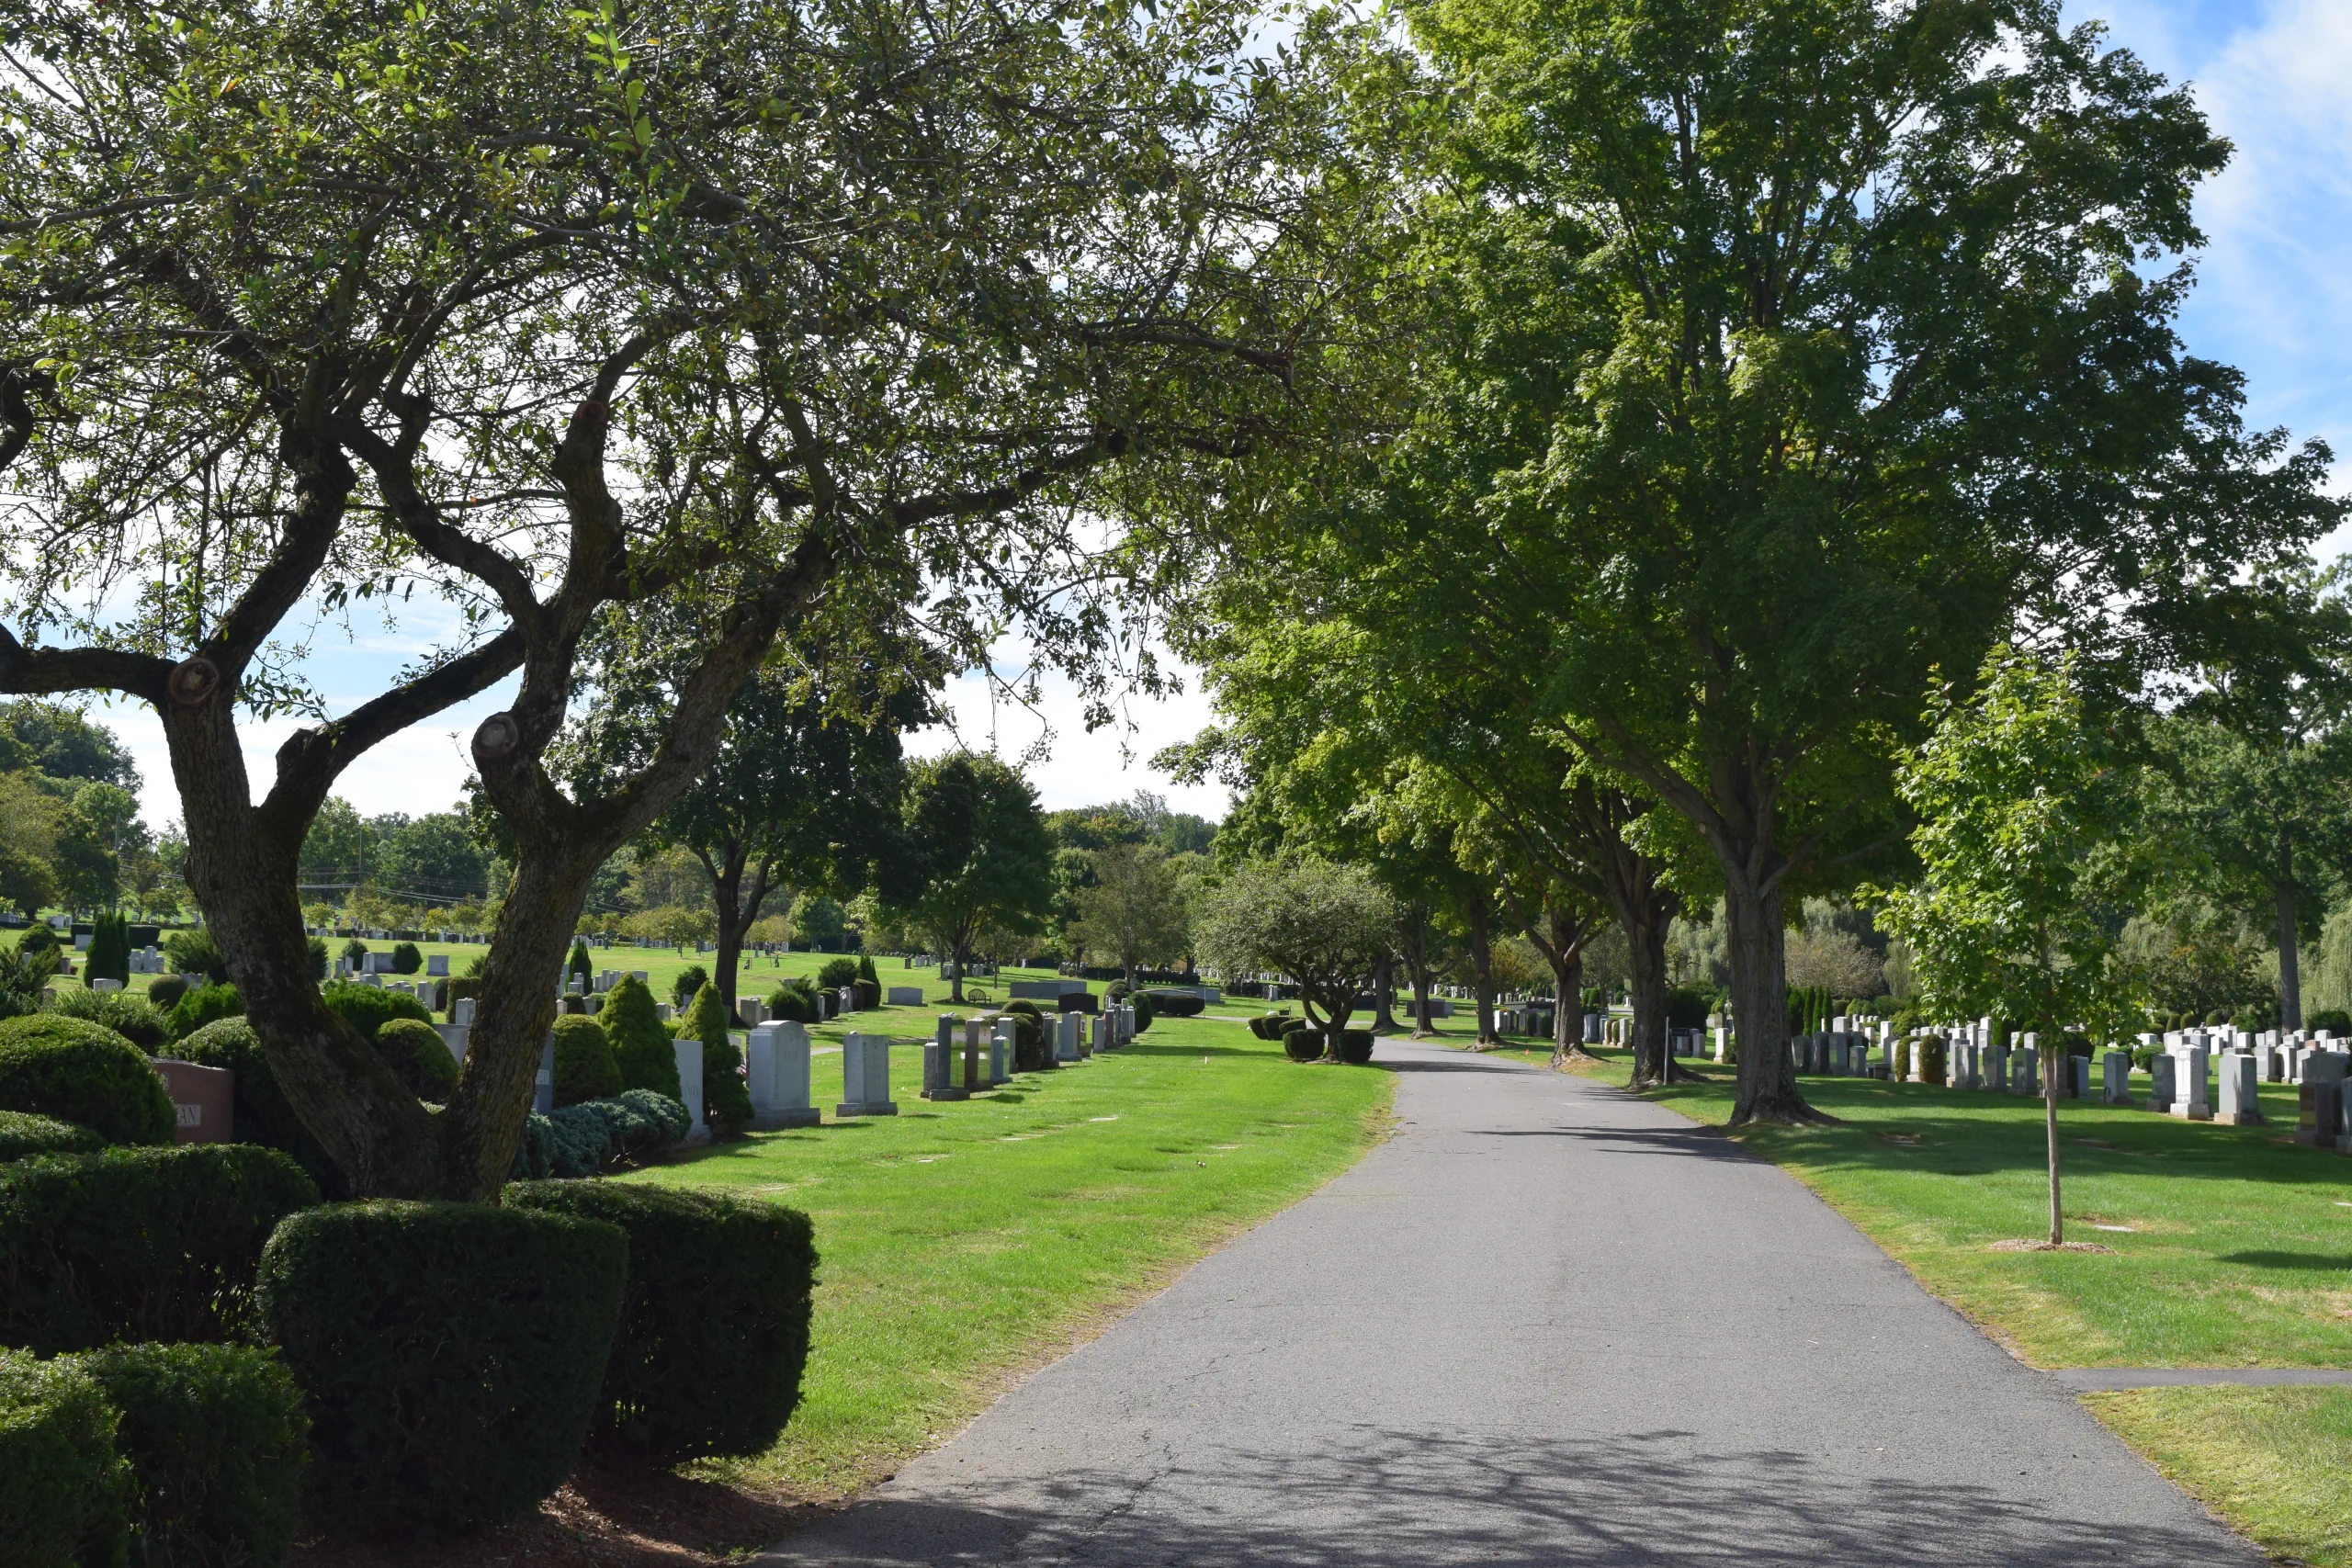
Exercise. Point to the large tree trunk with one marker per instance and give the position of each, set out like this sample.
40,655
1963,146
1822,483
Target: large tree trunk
1567,1012
1480,919
1383,992
2290,968
241,867
1413,935
1645,921
737,907
1757,944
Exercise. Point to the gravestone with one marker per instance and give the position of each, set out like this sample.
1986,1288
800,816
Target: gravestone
2194,1103
1964,1068
866,1076
2025,1069
2241,1101
543,1086
904,996
1064,1028
2164,1076
203,1100
454,1035
939,1062
105,984
849,999
777,1059
2078,1080
1000,1052
975,1031
437,966
688,1054
2116,1071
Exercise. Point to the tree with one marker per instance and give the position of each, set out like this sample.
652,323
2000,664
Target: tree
979,852
1326,927
1136,910
2255,761
1764,358
433,858
589,278
64,744
2023,810
803,793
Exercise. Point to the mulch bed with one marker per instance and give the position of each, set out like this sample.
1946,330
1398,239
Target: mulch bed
600,1520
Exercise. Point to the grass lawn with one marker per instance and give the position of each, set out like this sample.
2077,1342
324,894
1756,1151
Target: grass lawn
2231,1245
964,1242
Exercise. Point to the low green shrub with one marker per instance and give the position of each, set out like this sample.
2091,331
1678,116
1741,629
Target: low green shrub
1145,1008
869,993
62,1487
835,973
2334,1020
535,1151
82,1072
109,955
1029,1051
585,1067
1302,1043
451,1353
263,1114
24,1134
205,1006
639,1123
319,961
353,951
794,1000
406,958
579,963
138,1243
714,1330
727,1100
194,952
692,978
368,1008
1174,1004
1355,1047
422,1058
641,1044
463,988
128,1014
580,1140
1930,1050
213,1438
1269,1026
163,994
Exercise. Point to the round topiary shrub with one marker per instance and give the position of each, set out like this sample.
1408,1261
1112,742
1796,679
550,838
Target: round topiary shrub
406,958
1355,1047
204,1006
23,1135
368,1008
642,1043
1173,1004
422,1058
138,1243
794,1000
213,1437
835,973
2334,1020
714,1330
128,1013
62,1488
692,978
585,1067
263,1114
1029,1053
165,993
80,1071
1301,1043
452,1355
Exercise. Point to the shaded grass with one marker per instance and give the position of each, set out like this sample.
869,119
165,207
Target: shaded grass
967,1241
2232,1245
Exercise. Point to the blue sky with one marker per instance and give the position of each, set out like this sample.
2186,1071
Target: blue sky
2275,299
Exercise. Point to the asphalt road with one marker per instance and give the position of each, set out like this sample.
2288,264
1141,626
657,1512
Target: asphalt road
1545,1324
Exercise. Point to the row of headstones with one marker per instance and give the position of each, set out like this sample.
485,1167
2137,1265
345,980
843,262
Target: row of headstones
436,966
578,984
109,983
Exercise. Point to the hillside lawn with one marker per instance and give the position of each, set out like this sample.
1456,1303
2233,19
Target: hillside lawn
2231,1248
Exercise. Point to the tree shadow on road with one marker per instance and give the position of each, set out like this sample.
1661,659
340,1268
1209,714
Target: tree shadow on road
1409,1500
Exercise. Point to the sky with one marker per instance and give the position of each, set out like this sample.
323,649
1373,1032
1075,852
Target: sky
2275,299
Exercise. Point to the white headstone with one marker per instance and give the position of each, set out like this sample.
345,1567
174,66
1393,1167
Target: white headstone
866,1076
777,1058
688,1052
437,965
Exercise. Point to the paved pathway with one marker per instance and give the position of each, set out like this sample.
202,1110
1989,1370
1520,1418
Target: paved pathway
1545,1324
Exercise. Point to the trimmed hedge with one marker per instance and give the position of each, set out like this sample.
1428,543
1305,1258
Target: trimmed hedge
214,1438
163,994
1269,1025
1173,1004
2334,1020
109,956
128,1013
1355,1047
456,989
585,1067
24,1134
368,1008
82,1072
406,958
263,1115
835,973
61,1484
138,1243
727,1100
205,1006
641,1040
794,1000
1029,1053
714,1331
418,1053
451,1353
